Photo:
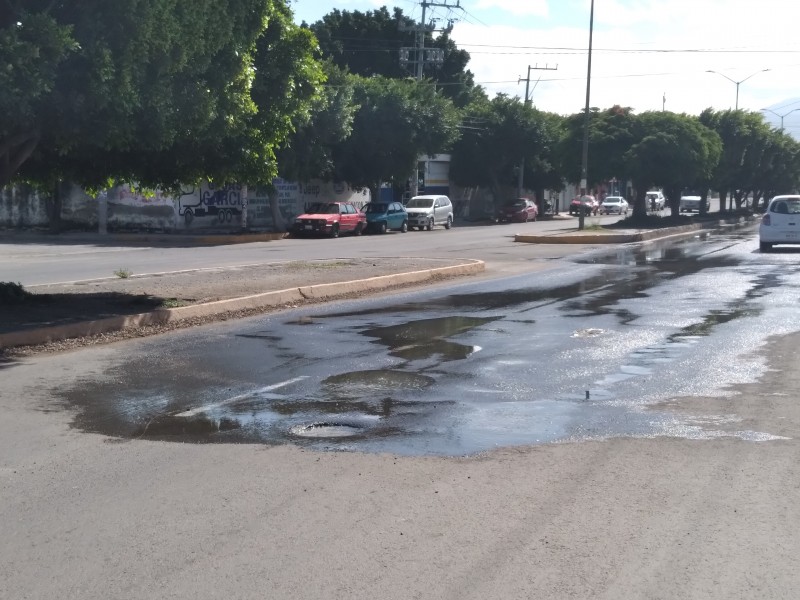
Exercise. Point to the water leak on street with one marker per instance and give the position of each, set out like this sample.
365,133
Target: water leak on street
578,354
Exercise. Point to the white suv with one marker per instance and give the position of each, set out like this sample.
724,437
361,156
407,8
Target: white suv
424,212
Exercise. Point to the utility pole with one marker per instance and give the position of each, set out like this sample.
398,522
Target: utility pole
585,152
527,80
434,56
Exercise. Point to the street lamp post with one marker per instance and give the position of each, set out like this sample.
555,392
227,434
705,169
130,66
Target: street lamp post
781,116
585,152
737,82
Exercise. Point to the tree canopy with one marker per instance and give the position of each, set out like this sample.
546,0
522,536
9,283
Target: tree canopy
396,121
154,90
369,43
497,135
672,151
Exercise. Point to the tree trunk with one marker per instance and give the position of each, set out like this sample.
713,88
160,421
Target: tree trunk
673,195
54,208
278,223
639,202
723,196
14,151
703,200
243,196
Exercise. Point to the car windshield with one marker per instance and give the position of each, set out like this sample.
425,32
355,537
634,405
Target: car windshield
420,203
515,204
323,208
612,200
373,208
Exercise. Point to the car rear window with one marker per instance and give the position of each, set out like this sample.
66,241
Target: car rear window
787,207
372,207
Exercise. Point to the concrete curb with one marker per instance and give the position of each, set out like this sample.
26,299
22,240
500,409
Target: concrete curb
139,239
592,237
273,299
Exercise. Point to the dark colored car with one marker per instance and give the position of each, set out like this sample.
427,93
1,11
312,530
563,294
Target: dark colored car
330,218
382,216
588,204
520,210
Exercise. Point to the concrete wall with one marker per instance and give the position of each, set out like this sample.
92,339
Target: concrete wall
22,207
196,208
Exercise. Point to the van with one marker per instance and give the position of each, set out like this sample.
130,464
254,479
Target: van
425,212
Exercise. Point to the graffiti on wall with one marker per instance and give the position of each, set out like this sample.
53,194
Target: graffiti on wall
221,204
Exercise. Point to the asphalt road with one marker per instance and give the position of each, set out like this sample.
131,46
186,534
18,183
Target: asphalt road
706,509
43,262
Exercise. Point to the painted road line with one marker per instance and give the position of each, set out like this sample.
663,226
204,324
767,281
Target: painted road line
201,409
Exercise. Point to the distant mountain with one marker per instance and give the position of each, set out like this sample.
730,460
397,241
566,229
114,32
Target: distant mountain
790,109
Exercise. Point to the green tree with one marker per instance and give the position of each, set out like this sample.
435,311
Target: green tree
744,136
33,46
611,134
370,43
395,123
672,151
308,152
164,93
497,135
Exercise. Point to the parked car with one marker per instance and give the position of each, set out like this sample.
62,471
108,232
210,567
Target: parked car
655,200
330,218
588,204
614,205
691,203
521,209
425,212
382,216
781,223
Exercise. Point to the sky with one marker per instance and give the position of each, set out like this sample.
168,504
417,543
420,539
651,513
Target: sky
646,54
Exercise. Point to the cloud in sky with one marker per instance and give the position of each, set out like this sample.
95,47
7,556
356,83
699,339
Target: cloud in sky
643,50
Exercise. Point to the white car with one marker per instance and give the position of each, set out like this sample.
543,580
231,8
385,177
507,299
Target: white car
614,205
424,212
781,223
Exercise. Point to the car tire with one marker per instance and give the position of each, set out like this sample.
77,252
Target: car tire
429,226
765,247
382,227
335,230
449,223
404,227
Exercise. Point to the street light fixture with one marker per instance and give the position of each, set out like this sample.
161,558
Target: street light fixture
737,82
781,116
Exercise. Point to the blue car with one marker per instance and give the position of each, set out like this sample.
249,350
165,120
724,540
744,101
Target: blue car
382,216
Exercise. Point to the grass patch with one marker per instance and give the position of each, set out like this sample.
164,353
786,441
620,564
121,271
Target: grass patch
123,273
173,303
13,293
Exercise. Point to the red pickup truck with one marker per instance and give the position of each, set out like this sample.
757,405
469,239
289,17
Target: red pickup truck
330,218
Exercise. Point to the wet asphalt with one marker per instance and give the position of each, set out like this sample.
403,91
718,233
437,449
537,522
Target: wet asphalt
589,350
